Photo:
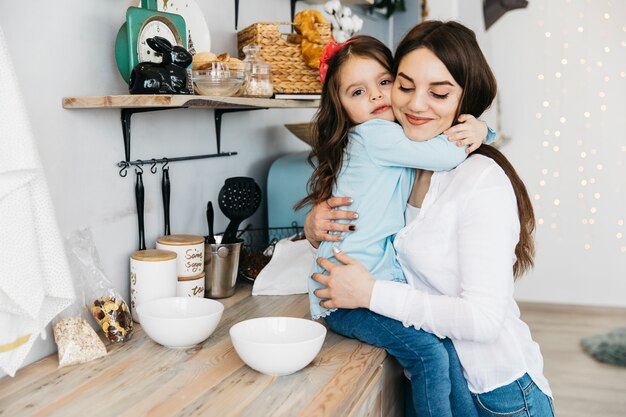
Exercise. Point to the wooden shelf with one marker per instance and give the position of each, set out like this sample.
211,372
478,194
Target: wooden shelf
173,101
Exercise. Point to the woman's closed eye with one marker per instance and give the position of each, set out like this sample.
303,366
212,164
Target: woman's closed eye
405,89
440,96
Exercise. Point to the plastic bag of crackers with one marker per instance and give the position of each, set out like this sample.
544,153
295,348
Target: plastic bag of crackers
103,301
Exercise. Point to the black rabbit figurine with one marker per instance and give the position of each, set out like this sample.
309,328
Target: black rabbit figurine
166,77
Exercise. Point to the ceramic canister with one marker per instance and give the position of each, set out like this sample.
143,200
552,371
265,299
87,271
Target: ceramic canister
190,251
152,276
191,286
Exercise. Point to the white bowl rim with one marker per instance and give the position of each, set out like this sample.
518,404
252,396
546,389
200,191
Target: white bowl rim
211,301
313,339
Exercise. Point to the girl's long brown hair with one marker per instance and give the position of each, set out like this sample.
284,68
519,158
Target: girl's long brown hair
456,46
331,122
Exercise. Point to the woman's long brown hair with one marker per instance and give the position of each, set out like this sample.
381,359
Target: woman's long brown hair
331,122
456,46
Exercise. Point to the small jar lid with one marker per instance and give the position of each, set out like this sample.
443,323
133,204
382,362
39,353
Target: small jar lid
180,240
153,255
193,278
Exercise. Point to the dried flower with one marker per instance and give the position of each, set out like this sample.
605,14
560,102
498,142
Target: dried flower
344,23
332,7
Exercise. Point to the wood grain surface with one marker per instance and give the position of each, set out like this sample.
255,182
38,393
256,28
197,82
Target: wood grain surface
151,101
142,378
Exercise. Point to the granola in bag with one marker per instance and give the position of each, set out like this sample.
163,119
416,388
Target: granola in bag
76,341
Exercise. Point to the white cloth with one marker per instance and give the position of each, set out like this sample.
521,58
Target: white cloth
287,271
458,255
35,282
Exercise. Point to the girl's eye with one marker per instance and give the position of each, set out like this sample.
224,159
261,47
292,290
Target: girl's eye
440,96
357,93
385,82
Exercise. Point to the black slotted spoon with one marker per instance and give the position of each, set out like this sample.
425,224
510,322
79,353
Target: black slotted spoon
239,198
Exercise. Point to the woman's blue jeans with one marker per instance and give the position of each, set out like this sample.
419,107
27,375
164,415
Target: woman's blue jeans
521,398
438,387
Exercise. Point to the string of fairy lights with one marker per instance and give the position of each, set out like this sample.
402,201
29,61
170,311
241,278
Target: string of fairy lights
566,98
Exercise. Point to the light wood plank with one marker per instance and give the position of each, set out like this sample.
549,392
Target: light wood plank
191,101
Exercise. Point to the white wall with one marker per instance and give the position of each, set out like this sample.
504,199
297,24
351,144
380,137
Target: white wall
574,169
66,48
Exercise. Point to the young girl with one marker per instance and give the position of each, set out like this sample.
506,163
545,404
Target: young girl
360,151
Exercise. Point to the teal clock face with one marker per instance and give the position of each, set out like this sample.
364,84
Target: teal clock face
141,24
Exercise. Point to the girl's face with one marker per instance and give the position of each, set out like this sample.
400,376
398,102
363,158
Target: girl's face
364,90
425,96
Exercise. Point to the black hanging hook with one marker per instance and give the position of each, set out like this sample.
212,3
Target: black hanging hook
153,168
138,166
123,171
165,164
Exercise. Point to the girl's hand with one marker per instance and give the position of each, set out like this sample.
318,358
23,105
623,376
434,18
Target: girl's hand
347,286
319,221
470,131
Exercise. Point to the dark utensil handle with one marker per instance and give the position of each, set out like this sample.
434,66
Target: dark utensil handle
139,199
230,235
165,190
209,219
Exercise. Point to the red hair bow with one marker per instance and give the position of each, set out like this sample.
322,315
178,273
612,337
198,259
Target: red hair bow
328,52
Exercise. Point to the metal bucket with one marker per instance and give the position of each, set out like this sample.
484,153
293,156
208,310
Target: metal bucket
221,264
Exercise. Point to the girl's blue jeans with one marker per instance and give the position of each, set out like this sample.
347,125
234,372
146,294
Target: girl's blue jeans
438,388
521,398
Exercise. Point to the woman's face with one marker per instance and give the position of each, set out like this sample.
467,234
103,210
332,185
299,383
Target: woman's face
425,96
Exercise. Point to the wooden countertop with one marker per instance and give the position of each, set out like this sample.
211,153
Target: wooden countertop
142,378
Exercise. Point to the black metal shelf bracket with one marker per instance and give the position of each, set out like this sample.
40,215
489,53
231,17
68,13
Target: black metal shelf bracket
126,118
218,121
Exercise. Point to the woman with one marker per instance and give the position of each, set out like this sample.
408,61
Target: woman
468,233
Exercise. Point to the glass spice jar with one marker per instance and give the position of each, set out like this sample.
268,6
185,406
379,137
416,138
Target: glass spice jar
258,80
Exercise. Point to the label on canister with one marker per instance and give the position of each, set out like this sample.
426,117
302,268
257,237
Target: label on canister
190,286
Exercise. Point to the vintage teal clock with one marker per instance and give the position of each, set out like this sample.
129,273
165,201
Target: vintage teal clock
143,23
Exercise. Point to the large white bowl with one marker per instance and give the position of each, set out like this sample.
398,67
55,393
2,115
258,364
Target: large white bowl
180,322
277,345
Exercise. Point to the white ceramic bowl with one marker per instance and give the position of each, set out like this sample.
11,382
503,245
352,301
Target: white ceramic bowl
277,345
180,322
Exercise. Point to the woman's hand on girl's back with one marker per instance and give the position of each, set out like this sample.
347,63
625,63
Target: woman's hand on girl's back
319,222
470,131
349,285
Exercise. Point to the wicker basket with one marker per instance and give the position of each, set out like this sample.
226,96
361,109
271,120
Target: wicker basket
290,74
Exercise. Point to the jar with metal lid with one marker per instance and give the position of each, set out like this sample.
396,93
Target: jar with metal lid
190,251
258,79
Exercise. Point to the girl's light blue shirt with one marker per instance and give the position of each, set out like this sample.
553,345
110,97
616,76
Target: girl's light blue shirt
377,172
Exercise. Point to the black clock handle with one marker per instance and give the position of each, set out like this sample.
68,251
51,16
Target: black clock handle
139,199
165,190
237,13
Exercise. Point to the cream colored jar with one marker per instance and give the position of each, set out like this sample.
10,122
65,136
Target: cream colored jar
190,286
190,251
152,276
